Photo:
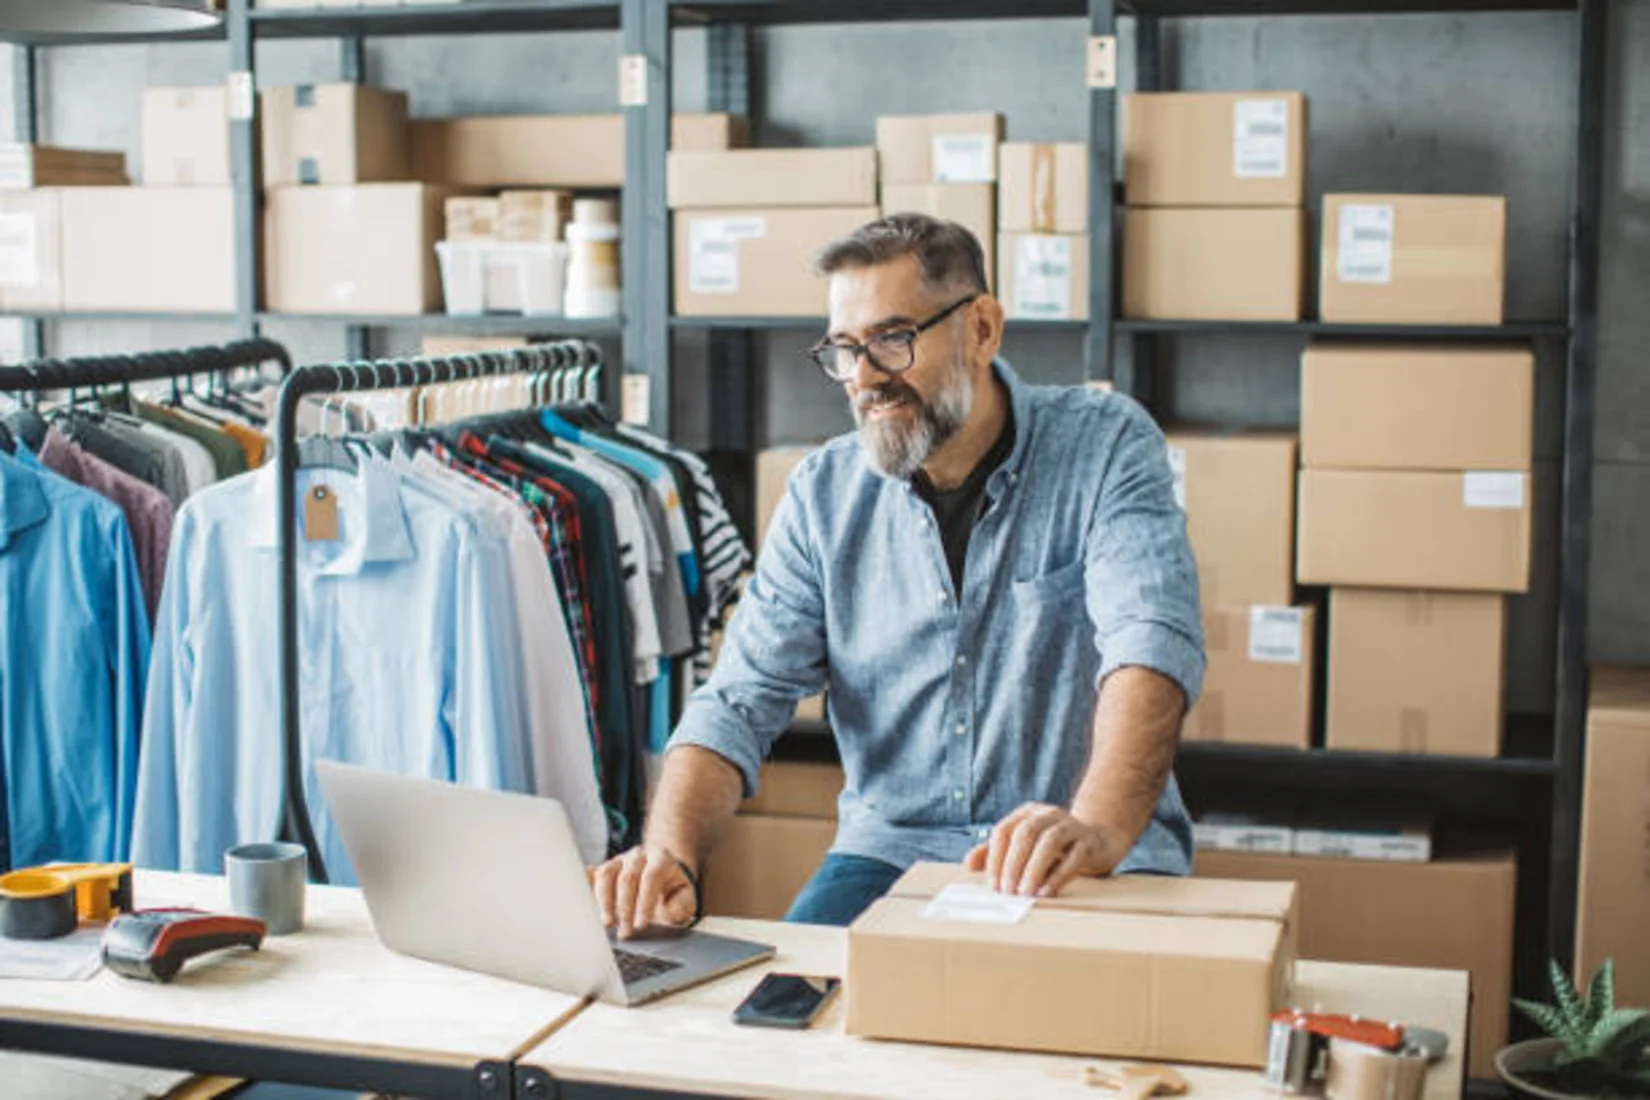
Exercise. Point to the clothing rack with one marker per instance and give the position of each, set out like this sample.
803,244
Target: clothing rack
113,370
564,365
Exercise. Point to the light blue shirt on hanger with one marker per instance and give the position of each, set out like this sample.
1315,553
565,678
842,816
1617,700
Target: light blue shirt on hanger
407,640
74,645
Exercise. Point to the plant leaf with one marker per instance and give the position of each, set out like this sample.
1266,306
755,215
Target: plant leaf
1548,1019
1601,995
1615,1037
1568,1000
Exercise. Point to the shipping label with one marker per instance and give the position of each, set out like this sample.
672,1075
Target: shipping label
713,252
1364,252
1042,277
965,158
1260,139
1277,635
1493,489
977,904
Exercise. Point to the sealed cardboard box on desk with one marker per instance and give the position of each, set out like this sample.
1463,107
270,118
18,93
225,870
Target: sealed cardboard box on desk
1413,259
1134,967
1613,908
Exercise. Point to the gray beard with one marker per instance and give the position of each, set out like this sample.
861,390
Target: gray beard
898,448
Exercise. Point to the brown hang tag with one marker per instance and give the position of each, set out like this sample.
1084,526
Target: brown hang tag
320,515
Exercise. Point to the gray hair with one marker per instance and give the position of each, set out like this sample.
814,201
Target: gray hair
949,254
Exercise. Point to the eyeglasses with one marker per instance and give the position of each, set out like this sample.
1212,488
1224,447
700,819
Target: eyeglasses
892,352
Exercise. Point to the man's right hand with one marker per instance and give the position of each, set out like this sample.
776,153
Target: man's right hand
643,887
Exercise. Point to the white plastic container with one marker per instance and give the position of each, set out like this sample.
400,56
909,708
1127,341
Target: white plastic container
593,273
503,277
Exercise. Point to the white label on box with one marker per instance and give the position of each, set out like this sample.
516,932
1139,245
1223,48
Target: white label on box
968,901
1365,236
636,399
965,158
1277,635
633,80
243,98
1492,489
1231,837
1260,139
19,251
713,252
1177,468
1042,277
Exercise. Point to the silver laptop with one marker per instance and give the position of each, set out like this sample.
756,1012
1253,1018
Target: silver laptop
493,882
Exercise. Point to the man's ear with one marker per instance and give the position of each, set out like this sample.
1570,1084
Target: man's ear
985,319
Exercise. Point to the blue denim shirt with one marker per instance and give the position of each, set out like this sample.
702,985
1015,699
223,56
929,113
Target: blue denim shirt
950,713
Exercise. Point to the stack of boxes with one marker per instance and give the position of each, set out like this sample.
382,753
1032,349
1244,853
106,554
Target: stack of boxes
505,253
775,844
1043,225
1238,491
1215,185
946,166
748,221
1415,509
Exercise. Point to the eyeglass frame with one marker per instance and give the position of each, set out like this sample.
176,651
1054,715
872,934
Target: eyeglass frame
863,350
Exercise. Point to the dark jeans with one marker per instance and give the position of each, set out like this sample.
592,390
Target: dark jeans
842,889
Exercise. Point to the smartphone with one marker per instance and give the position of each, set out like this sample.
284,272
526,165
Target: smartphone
786,1000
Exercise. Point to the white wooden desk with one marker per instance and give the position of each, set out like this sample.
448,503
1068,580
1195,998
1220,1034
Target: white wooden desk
328,1006
687,1045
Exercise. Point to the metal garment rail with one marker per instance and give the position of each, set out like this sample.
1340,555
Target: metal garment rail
356,377
152,366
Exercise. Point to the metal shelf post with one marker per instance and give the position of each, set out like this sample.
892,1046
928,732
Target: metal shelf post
644,31
1097,351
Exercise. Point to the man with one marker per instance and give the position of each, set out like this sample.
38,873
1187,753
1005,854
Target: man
995,583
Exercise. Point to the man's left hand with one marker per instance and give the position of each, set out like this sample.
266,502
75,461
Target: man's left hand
1037,849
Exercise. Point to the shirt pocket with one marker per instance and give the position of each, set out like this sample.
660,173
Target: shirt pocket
1062,582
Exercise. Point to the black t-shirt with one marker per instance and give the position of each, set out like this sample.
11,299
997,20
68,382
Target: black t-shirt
957,510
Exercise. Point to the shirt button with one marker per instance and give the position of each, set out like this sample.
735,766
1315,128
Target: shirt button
942,596
962,661
958,794
962,728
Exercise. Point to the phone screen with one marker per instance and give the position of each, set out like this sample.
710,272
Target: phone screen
786,1000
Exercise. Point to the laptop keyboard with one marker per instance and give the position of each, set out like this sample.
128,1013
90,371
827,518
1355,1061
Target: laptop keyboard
634,968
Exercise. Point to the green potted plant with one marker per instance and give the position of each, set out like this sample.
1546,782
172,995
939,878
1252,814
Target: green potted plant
1593,1049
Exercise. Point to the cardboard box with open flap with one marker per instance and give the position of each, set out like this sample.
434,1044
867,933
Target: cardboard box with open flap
1186,970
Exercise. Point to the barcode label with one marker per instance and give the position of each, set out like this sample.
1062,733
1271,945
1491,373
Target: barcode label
1177,470
1277,635
1492,489
965,158
1260,139
1365,239
1042,277
713,252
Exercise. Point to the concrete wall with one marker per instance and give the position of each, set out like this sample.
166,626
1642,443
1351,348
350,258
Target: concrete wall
1480,103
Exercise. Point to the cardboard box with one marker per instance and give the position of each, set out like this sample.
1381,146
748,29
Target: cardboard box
709,133
1214,149
1451,914
353,250
534,217
1190,969
471,218
149,249
773,177
761,863
1417,407
1211,264
971,205
333,134
1415,529
793,789
939,148
756,262
1415,672
773,474
31,250
1238,492
546,150
1613,907
1413,259
24,165
1258,686
1044,188
185,137
1043,276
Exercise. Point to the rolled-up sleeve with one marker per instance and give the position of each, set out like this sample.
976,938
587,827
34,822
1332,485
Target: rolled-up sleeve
773,654
1141,577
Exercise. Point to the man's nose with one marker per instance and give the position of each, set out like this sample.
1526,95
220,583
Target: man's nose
866,374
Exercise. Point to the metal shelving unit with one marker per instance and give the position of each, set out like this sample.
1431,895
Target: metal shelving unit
1541,776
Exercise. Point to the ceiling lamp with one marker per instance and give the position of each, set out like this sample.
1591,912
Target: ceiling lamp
26,19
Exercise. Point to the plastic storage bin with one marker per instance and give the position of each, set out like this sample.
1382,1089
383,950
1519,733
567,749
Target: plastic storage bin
503,277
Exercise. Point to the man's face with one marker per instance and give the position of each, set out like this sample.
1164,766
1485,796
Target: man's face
903,418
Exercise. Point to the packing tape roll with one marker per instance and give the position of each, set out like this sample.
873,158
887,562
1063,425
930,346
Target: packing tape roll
36,906
1361,1072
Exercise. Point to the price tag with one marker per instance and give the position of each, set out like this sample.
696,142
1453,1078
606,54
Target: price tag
633,80
636,397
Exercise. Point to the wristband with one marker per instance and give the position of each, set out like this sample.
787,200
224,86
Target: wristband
698,895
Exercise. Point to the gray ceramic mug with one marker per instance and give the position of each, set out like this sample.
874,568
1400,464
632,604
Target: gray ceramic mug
266,882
